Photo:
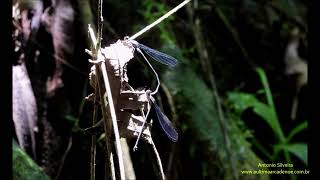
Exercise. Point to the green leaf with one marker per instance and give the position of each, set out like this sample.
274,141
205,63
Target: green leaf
197,109
298,149
286,6
269,116
24,168
262,149
71,119
273,118
264,81
297,129
242,101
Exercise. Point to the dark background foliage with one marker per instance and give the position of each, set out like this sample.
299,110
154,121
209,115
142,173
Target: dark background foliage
242,66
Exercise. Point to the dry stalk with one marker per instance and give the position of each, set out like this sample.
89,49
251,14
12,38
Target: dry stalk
94,138
158,159
109,167
106,106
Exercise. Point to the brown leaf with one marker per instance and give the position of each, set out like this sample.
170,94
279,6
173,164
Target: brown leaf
130,126
24,109
133,100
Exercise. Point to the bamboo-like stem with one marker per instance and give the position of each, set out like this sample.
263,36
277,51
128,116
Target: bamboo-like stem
109,163
113,118
109,96
113,171
93,138
109,167
159,20
101,68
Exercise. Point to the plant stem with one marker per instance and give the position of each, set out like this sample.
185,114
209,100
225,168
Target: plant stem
113,118
160,19
109,167
109,96
270,102
93,138
158,159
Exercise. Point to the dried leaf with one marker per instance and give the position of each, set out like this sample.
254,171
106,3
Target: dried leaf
127,101
133,100
24,109
130,125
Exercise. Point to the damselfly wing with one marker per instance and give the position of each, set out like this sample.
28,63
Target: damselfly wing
156,55
159,56
165,123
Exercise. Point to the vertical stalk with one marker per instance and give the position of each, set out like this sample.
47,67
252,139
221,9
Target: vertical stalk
94,138
113,118
108,160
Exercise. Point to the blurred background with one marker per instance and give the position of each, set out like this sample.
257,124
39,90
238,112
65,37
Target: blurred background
237,97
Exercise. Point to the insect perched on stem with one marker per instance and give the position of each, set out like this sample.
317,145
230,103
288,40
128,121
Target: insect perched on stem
164,59
156,55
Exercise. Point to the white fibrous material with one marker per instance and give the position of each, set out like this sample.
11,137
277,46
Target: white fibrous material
118,55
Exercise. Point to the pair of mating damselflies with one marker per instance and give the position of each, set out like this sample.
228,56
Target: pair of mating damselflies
164,59
169,61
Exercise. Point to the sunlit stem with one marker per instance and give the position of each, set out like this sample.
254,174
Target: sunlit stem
160,19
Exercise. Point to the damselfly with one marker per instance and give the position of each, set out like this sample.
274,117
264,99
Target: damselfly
163,58
156,55
164,122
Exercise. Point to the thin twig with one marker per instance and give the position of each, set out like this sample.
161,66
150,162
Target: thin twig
158,159
160,19
235,36
109,166
64,158
93,138
170,102
293,19
174,119
109,95
113,118
100,25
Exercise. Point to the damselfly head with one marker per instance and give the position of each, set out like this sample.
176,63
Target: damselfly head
133,42
130,42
